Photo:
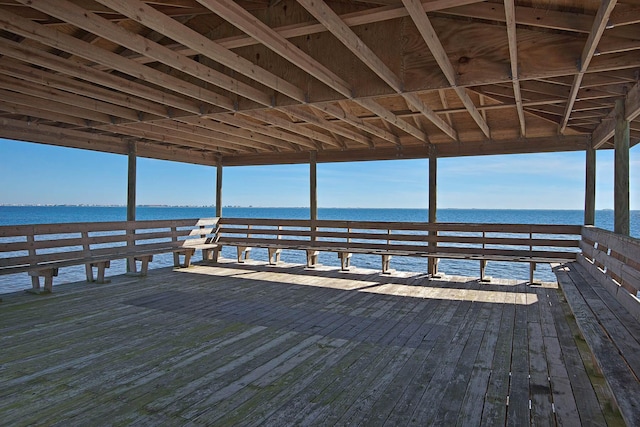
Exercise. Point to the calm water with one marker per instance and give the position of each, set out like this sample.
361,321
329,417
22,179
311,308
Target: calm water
13,215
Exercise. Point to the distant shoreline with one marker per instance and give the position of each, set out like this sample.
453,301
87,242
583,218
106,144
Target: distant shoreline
275,207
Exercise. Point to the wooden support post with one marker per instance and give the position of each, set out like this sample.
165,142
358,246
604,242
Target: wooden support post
313,193
131,193
219,190
433,175
621,185
590,187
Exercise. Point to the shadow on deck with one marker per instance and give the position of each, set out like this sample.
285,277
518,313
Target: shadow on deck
250,344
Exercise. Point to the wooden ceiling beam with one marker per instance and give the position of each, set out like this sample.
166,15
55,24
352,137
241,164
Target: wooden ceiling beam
344,115
13,98
315,137
36,76
606,129
115,33
67,43
235,132
310,118
342,32
274,41
31,111
510,16
599,24
510,146
363,17
173,137
72,68
49,94
151,18
422,22
242,19
267,130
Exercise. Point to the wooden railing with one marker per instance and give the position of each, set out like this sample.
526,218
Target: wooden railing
41,249
614,261
484,242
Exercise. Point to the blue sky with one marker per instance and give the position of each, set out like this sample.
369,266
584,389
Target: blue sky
42,174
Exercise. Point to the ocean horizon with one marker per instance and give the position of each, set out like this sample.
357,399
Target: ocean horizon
33,214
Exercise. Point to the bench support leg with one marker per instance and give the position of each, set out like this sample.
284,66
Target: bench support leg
187,253
274,255
210,254
312,258
483,266
386,264
144,264
244,253
345,260
48,274
532,268
101,266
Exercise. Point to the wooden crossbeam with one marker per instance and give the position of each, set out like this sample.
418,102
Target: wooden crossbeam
511,146
34,132
597,29
257,29
70,44
70,67
306,140
36,76
309,117
169,27
338,28
347,117
93,23
606,129
251,25
422,22
510,15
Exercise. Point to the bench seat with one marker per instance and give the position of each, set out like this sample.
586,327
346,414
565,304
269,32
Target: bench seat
611,332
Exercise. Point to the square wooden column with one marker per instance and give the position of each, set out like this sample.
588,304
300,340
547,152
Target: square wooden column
621,168
313,193
131,182
219,190
590,187
131,194
433,199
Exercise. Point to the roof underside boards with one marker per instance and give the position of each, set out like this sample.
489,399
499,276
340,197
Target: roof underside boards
267,81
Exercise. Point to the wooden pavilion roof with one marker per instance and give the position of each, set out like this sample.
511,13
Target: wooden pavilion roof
267,81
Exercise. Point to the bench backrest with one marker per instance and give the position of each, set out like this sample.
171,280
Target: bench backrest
510,240
24,246
614,260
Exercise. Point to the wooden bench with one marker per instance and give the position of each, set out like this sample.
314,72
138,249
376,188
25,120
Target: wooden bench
42,249
482,242
602,288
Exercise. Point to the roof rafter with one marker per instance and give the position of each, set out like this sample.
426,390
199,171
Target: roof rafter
274,41
93,23
340,30
510,14
148,16
67,43
422,22
599,24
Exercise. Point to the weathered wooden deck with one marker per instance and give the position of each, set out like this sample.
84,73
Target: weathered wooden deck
250,344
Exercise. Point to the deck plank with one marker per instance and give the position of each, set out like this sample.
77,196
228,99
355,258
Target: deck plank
249,344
